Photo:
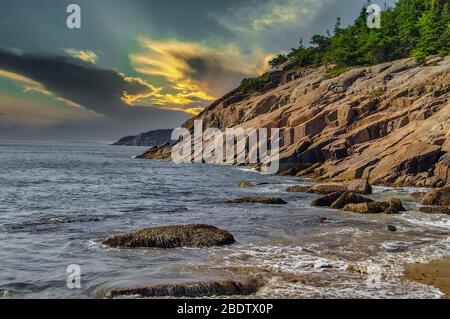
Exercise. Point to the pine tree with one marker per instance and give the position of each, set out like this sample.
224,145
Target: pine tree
433,25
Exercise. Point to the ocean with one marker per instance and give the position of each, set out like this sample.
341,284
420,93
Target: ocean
59,201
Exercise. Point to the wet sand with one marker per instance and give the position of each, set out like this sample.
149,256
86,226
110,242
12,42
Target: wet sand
435,273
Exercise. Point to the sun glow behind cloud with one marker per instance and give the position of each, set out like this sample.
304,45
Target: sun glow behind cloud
195,73
87,56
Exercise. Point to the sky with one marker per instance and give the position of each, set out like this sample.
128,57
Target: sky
139,65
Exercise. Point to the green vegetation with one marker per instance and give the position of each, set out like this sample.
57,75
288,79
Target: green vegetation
377,92
252,85
334,72
413,28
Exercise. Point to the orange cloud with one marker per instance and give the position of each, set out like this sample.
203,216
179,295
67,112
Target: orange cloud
197,72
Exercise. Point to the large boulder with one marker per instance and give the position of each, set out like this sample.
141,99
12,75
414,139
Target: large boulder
194,289
259,200
349,198
437,197
171,237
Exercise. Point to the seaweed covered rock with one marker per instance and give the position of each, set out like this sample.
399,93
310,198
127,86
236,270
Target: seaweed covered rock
172,236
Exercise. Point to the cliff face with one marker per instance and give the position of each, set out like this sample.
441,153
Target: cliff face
152,138
388,123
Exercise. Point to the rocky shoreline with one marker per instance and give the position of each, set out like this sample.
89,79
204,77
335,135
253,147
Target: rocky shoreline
382,125
346,197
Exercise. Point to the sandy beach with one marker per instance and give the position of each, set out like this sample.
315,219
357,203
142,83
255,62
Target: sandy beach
435,273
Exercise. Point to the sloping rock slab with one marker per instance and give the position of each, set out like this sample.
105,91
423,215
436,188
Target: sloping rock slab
195,289
172,237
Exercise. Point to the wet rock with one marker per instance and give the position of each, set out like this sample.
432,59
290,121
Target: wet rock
327,200
396,205
246,184
171,237
393,206
298,189
259,200
367,208
326,189
437,197
392,228
435,210
195,289
360,186
349,198
323,219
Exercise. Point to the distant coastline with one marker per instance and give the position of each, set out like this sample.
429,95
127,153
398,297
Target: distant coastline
151,138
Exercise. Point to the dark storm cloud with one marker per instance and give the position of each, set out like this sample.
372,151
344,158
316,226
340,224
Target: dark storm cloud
96,89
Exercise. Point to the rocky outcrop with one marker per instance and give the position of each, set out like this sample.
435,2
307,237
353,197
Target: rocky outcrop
387,124
194,289
171,237
258,200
